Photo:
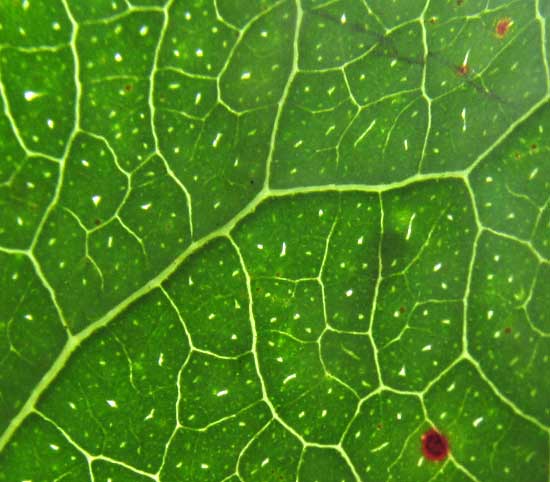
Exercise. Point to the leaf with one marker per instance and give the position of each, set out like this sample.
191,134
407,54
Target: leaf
274,240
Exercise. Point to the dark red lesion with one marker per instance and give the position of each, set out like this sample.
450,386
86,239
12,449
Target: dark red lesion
502,27
435,446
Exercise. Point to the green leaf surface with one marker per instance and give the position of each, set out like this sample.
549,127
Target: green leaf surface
254,241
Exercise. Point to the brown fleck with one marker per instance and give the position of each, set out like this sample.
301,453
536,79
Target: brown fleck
463,70
507,330
502,27
128,87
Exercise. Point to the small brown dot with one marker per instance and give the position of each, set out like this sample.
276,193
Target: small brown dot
502,27
507,330
128,87
433,20
533,146
379,426
459,2
463,70
97,222
517,155
402,309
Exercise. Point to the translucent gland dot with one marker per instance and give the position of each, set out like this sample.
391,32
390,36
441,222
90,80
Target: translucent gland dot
144,30
118,57
199,53
349,293
96,199
245,75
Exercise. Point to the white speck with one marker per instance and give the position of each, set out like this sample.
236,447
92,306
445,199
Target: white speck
50,123
488,179
477,421
211,316
187,16
112,403
145,207
199,53
31,95
437,267
54,447
490,314
198,98
349,293
56,26
343,19
118,57
321,212
296,316
399,416
144,30
26,4
402,372
161,359
245,76
290,377
463,116
406,144
283,249
409,228
393,63
221,393
72,405
427,348
360,240
204,466
263,33
150,415
260,246
451,387
96,199
217,139
110,242
534,172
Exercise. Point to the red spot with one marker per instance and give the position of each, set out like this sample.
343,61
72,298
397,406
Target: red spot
502,27
463,70
435,446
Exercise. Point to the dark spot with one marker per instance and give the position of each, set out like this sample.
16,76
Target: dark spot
379,426
402,309
251,181
533,146
434,445
459,2
278,274
97,222
433,20
462,70
128,87
502,27
517,155
507,330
